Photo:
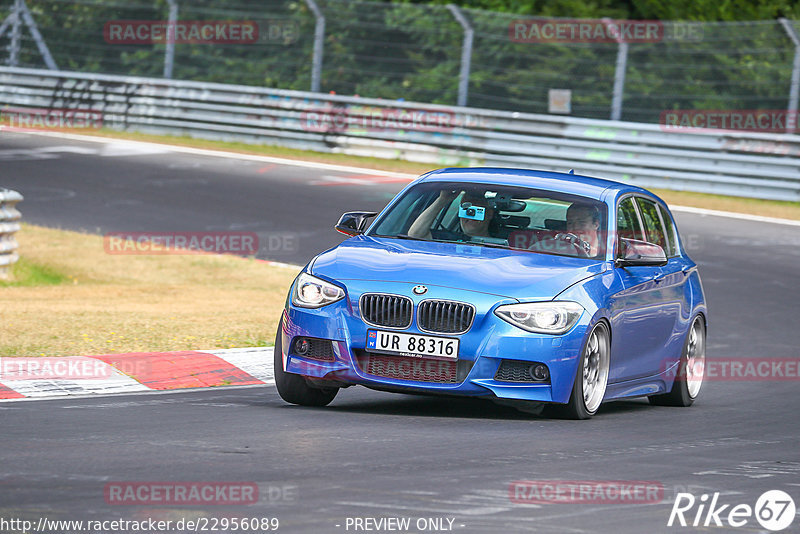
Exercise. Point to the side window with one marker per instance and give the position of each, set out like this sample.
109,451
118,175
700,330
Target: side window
627,221
652,222
669,229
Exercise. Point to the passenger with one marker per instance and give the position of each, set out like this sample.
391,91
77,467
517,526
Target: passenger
421,228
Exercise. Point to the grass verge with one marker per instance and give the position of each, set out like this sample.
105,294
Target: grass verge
66,296
766,208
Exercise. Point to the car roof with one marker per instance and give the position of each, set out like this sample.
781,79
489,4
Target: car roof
562,182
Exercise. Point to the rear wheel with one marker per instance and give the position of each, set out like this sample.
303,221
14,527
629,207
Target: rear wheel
294,388
591,377
689,377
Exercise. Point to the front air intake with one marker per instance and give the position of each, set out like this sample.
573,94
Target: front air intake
522,371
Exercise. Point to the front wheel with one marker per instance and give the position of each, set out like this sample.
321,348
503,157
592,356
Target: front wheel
591,378
689,377
293,388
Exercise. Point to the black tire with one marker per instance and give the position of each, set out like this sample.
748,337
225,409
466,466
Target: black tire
576,407
680,394
293,388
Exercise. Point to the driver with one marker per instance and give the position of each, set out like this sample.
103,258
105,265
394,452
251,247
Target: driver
580,235
421,228
583,220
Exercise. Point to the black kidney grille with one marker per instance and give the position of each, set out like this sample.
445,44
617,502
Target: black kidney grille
444,316
386,310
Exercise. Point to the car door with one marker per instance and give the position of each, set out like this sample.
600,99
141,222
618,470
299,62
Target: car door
676,290
645,313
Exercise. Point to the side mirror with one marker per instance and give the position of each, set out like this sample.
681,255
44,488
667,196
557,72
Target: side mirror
635,252
354,222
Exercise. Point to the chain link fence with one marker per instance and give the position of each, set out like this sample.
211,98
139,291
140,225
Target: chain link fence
419,53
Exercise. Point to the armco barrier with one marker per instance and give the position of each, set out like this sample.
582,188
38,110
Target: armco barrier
9,225
747,164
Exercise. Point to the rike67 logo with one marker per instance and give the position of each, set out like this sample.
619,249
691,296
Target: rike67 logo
774,510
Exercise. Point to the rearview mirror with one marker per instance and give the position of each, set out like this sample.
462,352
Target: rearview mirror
354,222
635,252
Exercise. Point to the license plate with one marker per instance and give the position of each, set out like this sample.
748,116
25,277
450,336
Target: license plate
412,345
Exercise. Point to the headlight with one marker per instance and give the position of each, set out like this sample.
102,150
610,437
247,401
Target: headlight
311,292
541,317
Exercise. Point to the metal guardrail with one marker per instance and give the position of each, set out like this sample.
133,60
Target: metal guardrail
9,225
592,68
734,163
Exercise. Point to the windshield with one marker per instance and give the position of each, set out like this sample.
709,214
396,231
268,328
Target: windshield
517,218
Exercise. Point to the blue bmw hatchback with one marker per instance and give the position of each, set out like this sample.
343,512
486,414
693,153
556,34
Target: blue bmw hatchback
528,288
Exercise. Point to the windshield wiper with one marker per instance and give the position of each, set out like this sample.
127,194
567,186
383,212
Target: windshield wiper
474,243
401,236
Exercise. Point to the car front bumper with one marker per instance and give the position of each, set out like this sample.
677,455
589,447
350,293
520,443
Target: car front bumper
482,349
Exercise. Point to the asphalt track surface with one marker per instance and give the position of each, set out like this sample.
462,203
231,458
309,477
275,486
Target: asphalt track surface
372,454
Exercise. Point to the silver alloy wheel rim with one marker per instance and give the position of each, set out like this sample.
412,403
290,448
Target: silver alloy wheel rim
695,359
595,370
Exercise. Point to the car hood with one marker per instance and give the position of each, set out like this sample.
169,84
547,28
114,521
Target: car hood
502,272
